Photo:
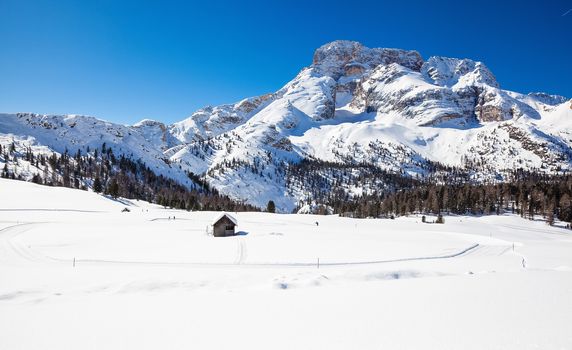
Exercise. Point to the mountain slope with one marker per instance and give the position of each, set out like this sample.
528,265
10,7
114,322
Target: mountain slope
52,133
384,108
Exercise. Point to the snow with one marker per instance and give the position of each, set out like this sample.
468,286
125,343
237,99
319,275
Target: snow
72,133
445,71
353,104
221,215
333,57
143,280
315,208
213,121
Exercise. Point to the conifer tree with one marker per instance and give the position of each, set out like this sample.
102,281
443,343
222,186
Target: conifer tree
271,207
113,188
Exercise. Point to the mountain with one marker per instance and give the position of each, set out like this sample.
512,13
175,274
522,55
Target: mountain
344,124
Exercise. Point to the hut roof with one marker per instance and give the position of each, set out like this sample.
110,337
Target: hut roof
223,215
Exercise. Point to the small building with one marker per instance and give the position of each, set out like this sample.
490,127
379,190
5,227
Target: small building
224,225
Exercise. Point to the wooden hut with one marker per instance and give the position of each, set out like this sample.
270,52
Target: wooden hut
224,225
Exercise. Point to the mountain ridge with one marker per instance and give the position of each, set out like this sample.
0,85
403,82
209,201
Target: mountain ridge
353,105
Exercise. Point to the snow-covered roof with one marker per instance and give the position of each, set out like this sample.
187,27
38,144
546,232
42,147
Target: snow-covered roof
223,215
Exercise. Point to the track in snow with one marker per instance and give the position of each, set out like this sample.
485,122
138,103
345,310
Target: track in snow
7,246
241,258
10,249
489,250
243,252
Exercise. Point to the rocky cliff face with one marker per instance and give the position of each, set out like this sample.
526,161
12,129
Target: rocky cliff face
387,108
451,72
345,58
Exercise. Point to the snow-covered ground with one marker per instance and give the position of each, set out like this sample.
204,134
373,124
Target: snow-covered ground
144,281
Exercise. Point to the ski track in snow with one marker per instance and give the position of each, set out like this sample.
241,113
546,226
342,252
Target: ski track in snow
8,234
8,245
242,251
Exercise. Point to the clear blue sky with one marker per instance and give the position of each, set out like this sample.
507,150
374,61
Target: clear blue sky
127,60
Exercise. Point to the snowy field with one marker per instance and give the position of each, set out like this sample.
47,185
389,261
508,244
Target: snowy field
144,281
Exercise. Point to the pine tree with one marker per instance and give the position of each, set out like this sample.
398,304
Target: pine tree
550,218
113,188
271,207
97,187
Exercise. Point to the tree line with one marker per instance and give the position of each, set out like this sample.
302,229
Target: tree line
359,190
115,176
528,194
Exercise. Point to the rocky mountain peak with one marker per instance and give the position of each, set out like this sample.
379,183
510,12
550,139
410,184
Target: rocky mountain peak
343,57
445,71
148,123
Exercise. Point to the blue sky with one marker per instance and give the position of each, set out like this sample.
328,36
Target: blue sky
128,60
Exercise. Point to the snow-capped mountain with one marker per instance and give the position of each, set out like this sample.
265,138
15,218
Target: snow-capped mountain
353,105
45,134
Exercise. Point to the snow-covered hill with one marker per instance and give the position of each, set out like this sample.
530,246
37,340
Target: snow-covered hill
389,108
92,276
44,134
